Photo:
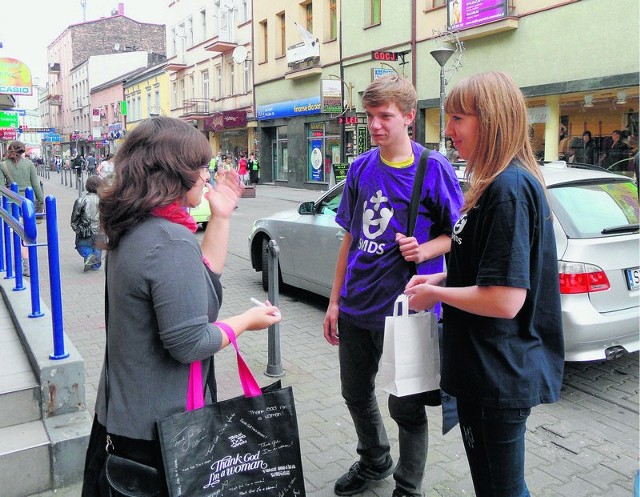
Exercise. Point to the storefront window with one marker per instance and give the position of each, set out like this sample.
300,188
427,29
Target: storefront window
323,150
280,155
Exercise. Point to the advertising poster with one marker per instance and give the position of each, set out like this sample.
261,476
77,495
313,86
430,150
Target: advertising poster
463,14
316,160
15,77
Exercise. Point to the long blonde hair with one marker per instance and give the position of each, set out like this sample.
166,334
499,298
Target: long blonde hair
503,130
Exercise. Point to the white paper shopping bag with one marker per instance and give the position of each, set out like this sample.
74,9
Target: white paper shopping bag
410,360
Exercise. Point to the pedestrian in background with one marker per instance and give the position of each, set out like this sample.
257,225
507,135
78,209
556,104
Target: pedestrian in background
91,164
163,290
375,262
503,349
85,223
254,169
242,169
106,169
17,169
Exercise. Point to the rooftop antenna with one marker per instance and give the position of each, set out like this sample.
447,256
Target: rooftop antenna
83,4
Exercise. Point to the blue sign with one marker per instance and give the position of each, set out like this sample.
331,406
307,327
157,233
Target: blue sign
290,108
52,137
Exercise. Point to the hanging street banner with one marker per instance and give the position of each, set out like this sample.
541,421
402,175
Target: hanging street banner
15,77
9,119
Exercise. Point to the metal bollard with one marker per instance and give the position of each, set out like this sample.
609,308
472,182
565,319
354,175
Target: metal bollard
274,365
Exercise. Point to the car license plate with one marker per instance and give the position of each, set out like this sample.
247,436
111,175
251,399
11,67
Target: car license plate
633,278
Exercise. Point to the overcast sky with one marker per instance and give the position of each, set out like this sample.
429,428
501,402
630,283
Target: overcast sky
31,25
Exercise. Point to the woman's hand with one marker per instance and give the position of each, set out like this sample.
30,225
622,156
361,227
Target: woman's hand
423,291
260,317
223,198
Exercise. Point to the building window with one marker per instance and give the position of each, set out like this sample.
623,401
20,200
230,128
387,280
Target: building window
308,8
323,150
282,35
174,95
333,20
156,105
149,103
374,7
174,47
232,78
432,4
246,83
192,86
264,34
183,92
215,15
203,24
244,10
190,32
219,79
205,84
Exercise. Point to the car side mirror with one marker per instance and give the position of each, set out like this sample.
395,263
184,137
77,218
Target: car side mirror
306,208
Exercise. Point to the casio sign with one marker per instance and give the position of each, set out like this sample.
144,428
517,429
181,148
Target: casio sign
379,55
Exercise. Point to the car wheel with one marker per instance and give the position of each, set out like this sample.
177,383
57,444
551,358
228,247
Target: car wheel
265,264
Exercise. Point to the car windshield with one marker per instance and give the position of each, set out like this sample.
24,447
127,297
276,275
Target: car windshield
594,209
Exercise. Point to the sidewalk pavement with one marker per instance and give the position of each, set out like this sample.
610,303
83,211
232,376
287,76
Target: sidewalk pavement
585,445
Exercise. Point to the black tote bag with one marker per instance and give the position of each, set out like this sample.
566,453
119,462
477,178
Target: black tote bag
247,445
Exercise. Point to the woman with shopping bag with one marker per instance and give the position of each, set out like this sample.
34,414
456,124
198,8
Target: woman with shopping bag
163,296
502,347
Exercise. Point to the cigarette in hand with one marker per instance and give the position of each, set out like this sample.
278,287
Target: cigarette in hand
262,304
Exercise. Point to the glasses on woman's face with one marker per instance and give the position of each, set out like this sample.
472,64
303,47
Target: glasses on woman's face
204,169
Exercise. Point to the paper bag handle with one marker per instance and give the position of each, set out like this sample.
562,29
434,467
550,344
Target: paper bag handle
403,302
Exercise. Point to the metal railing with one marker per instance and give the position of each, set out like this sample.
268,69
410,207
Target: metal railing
19,229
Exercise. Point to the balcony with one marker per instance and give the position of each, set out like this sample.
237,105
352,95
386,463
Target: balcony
176,65
193,107
55,99
222,46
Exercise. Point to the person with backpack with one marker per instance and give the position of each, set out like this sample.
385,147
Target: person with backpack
85,222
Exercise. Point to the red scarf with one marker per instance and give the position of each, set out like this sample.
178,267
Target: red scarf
176,214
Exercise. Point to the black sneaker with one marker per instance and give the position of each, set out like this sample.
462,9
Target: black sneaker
401,493
360,474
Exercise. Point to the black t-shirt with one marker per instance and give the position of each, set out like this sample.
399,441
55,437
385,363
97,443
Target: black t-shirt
506,240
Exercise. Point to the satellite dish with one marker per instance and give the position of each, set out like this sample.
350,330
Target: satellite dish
116,47
239,54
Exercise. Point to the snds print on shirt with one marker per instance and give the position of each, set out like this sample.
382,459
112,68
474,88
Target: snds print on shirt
376,217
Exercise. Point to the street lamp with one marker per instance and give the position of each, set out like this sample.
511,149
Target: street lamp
442,55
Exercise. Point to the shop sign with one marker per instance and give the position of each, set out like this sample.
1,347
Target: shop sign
290,108
225,119
537,115
463,14
331,93
340,171
9,119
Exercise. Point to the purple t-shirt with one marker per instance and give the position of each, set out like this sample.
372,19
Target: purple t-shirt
374,207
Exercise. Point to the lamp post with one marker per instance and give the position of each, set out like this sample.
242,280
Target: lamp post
442,55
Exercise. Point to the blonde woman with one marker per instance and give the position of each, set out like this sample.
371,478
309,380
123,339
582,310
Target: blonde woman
503,348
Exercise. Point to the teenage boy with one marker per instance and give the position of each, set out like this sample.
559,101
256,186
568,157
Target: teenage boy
374,265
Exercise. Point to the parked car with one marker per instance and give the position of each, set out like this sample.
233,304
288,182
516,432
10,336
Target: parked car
597,238
201,213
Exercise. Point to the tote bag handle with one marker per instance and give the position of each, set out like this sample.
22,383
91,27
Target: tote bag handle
195,391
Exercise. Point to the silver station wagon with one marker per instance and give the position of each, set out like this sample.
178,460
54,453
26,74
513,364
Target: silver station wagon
597,238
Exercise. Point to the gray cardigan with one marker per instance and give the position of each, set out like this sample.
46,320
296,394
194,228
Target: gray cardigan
162,301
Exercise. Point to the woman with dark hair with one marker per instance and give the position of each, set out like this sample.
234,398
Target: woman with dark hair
85,222
586,154
20,170
163,289
503,350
